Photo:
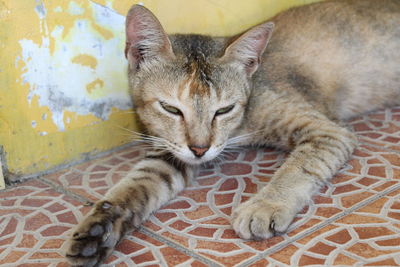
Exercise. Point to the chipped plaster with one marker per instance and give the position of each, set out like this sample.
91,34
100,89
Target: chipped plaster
85,74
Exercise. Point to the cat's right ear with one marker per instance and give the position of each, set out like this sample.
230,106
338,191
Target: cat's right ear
246,51
145,38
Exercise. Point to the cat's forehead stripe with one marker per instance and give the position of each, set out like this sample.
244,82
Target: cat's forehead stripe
197,84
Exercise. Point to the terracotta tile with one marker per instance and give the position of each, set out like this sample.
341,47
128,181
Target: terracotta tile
235,169
340,237
250,155
11,227
223,199
142,258
202,231
367,181
165,216
306,260
228,185
321,248
345,189
37,230
54,230
127,247
374,207
389,242
355,218
92,179
265,244
359,238
177,238
139,249
12,257
387,262
180,225
380,129
366,251
216,246
46,255
178,205
43,232
351,200
285,255
370,232
198,264
28,241
260,263
327,212
308,224
344,260
200,212
53,243
231,260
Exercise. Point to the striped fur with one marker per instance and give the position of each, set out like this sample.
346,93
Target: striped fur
198,95
153,181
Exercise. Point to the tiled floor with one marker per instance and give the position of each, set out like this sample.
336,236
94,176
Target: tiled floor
355,221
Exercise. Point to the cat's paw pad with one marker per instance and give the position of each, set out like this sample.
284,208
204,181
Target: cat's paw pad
259,219
95,237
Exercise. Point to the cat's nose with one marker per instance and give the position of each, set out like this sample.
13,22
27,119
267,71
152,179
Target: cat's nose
199,151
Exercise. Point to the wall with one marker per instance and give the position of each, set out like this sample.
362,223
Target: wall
63,86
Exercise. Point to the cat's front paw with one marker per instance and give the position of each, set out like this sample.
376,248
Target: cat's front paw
260,219
95,237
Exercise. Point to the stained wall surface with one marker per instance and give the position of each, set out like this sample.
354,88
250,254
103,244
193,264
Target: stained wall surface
63,86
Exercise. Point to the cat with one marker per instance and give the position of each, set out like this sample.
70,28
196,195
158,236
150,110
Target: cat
288,83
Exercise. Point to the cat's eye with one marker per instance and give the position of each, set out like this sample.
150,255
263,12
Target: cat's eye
171,109
224,110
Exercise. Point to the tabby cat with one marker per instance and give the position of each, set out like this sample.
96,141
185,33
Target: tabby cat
197,95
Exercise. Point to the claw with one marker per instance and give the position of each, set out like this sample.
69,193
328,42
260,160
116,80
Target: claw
272,227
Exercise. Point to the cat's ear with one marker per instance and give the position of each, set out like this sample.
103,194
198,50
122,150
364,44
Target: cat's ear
145,38
247,49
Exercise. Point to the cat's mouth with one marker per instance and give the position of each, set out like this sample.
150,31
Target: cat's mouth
188,157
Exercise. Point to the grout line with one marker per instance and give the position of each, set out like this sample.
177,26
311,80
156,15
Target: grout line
178,247
378,146
85,157
62,190
319,226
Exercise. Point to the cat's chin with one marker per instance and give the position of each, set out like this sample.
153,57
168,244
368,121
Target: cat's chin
194,161
189,159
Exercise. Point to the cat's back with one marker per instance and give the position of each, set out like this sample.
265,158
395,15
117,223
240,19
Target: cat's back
343,54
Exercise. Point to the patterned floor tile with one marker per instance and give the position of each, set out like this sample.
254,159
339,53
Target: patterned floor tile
93,179
35,222
380,128
199,217
139,249
369,236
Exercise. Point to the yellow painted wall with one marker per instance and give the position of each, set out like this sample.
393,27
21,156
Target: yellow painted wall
63,86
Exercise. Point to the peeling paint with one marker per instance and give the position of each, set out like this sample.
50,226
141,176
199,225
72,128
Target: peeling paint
85,60
75,9
65,78
96,84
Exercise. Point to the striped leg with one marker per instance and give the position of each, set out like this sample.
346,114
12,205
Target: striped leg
152,182
321,148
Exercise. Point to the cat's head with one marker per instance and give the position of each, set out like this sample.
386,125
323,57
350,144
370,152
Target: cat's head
190,91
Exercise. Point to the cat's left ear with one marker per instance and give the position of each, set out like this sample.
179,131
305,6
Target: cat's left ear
246,51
